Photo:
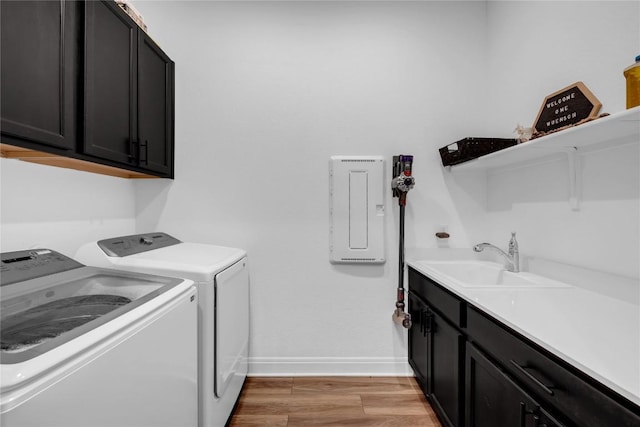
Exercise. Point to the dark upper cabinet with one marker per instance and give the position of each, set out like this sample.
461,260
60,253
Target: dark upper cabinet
128,92
82,80
39,46
155,106
110,80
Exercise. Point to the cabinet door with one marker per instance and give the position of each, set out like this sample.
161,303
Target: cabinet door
155,106
110,83
494,400
418,341
39,49
447,370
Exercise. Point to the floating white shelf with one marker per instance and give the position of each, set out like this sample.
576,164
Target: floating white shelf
607,132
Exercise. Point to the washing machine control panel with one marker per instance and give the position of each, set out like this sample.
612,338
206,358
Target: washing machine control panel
135,244
29,264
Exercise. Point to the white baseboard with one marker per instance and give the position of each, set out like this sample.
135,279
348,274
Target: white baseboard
329,366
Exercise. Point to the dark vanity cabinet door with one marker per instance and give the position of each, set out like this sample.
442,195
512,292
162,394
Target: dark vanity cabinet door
110,83
39,50
436,347
494,400
447,370
419,341
155,107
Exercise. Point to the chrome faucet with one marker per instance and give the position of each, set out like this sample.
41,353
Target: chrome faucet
513,257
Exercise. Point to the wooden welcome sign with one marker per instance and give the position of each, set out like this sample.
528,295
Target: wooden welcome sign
566,107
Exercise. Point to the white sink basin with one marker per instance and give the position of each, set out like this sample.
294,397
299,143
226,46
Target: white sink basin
484,274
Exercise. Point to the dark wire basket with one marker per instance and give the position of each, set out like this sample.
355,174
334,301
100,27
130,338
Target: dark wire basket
471,148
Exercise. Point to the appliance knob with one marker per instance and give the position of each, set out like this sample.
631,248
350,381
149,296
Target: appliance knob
146,240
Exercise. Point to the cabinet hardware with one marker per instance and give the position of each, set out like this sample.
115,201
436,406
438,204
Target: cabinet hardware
144,146
428,322
523,369
524,413
133,151
425,314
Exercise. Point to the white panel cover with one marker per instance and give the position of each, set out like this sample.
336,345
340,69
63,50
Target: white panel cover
356,197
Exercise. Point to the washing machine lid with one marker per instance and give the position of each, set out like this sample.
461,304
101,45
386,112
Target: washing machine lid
49,299
159,253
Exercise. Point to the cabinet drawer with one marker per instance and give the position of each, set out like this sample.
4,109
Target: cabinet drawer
494,399
447,304
550,379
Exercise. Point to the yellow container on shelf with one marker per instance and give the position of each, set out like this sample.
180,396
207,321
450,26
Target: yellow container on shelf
632,74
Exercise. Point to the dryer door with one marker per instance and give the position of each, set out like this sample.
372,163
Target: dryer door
232,324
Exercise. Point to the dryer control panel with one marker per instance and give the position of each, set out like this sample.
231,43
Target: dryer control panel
135,244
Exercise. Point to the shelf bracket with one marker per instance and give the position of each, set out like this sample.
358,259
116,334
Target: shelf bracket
572,157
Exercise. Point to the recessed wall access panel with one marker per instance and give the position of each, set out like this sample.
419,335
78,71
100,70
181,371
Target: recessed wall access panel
356,208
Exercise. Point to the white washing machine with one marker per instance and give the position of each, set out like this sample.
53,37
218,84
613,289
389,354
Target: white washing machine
221,275
86,346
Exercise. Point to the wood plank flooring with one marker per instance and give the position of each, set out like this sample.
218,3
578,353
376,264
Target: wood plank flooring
333,401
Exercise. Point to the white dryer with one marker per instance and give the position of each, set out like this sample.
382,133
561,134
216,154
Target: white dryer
221,275
85,346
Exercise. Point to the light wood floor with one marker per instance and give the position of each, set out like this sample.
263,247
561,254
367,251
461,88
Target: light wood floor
333,401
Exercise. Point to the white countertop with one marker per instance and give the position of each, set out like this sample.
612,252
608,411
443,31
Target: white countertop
595,332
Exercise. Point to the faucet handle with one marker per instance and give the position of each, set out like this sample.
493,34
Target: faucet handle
513,243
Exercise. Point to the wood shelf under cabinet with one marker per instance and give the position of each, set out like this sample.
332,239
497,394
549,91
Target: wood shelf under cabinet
40,157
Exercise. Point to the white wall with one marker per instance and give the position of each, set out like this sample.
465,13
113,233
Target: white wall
571,41
61,209
265,94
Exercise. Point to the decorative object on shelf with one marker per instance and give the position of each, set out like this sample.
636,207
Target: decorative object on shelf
569,106
523,134
471,148
132,12
632,75
537,134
